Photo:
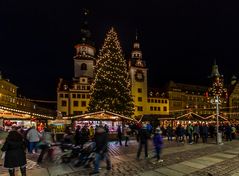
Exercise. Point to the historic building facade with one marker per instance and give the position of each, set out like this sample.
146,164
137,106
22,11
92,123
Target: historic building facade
73,96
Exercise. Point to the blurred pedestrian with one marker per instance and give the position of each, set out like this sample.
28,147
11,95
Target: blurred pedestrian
101,151
119,135
142,138
126,132
15,155
45,144
33,136
158,143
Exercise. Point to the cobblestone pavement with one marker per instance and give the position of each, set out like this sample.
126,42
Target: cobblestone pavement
127,164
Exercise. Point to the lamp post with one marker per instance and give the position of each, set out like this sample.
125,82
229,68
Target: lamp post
218,93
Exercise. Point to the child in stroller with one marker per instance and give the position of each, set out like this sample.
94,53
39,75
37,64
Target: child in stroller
86,155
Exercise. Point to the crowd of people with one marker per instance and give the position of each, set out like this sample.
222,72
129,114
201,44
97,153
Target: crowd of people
192,132
20,141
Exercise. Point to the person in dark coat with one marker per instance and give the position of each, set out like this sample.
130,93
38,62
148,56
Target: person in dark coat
84,136
142,138
119,135
169,132
101,149
14,147
77,135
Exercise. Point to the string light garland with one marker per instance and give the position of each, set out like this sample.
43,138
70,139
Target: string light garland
110,90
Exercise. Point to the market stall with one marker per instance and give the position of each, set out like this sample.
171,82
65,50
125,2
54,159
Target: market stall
112,120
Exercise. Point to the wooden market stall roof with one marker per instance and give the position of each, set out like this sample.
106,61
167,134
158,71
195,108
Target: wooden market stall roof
17,114
194,116
100,115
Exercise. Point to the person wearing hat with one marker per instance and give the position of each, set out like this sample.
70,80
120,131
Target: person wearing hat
158,143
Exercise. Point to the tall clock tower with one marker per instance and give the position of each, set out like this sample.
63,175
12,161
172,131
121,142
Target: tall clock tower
85,52
138,76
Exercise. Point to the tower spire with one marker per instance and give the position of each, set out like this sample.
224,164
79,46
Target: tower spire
85,34
136,35
215,72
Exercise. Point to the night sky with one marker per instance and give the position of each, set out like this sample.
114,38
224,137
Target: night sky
179,38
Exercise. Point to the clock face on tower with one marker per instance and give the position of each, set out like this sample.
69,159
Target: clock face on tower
139,75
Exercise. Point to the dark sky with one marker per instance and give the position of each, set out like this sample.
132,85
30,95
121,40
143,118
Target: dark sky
179,39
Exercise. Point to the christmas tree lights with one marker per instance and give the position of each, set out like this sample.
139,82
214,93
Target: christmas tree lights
110,90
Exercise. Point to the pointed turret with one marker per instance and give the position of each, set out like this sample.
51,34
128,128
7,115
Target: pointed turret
85,34
136,52
85,50
215,72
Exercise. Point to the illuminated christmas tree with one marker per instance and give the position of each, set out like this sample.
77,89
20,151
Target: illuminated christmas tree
110,90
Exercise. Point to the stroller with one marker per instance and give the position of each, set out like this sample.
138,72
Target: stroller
69,151
86,155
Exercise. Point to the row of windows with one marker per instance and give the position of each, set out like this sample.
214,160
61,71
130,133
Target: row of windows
78,87
140,99
9,99
74,113
75,96
157,101
75,103
8,88
157,108
140,108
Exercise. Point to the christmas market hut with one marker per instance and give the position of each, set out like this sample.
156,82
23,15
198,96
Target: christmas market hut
24,118
112,120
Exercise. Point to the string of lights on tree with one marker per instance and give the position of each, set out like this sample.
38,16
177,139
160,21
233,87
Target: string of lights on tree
110,90
218,89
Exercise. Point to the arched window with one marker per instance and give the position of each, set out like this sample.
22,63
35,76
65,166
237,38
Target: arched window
83,66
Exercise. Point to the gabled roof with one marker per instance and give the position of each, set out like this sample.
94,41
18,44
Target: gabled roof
194,116
100,115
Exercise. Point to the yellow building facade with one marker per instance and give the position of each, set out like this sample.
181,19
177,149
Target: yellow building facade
73,96
8,93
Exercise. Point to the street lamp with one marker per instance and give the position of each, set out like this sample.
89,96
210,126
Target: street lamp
218,93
